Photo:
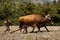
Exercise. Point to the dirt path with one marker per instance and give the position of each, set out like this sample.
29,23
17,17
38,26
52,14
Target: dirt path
54,34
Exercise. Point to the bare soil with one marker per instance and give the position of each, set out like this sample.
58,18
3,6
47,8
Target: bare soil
15,34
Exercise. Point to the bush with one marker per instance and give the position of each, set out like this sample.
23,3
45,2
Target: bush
11,10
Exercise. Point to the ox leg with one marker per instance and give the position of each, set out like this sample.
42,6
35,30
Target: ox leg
38,27
33,26
25,28
47,29
33,29
20,27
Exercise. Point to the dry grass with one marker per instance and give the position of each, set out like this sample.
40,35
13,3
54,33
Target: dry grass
54,34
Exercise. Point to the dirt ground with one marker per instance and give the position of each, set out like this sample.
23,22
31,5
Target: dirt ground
15,34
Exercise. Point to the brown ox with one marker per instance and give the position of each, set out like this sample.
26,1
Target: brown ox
33,19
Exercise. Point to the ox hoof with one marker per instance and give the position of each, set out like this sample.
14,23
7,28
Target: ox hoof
48,31
31,32
25,32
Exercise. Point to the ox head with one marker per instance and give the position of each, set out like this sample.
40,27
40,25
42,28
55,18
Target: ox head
48,19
